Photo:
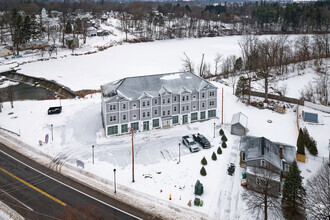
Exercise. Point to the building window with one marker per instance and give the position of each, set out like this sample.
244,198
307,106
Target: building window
124,106
203,105
211,103
148,103
183,98
134,116
194,97
262,163
148,114
203,95
211,93
155,123
211,113
243,156
143,104
113,118
112,107
134,105
155,111
155,101
194,116
175,119
113,130
168,100
187,97
174,98
163,113
182,108
143,114
194,107
163,101
124,117
135,125
187,108
174,108
168,112
203,115
124,128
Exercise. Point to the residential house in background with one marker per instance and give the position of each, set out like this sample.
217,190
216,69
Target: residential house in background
261,157
156,101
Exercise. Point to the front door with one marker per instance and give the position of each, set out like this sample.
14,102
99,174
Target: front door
184,119
166,123
146,125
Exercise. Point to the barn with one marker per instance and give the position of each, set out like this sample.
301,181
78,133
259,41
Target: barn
239,124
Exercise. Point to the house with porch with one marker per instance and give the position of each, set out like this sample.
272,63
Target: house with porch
265,160
156,101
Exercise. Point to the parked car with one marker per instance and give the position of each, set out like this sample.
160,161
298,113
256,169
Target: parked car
190,143
231,169
202,140
54,110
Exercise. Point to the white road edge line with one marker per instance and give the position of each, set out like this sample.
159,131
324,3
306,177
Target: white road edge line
72,187
17,200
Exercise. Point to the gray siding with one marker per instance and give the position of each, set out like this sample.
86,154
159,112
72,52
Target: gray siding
158,112
145,102
112,104
210,100
203,93
166,99
275,186
176,97
134,112
196,104
108,122
257,163
166,109
196,95
177,106
136,102
121,117
184,108
156,101
205,105
145,112
126,103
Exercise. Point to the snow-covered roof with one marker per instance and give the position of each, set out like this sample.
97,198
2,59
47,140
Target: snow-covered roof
154,85
262,148
240,118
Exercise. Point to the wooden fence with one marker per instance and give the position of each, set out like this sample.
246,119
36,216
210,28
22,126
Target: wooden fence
276,97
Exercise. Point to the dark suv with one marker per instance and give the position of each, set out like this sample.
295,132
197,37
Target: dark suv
202,140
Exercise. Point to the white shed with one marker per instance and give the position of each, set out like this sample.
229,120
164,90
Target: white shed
239,124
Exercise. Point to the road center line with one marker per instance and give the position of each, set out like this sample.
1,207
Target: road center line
70,186
33,187
17,200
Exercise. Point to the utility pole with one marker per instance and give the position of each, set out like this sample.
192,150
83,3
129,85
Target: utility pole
214,131
222,108
179,152
114,176
132,130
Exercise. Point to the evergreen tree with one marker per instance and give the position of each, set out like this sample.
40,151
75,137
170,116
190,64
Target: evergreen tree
68,28
224,145
312,147
300,142
221,132
204,161
203,171
26,29
214,156
219,151
224,138
34,28
241,87
293,200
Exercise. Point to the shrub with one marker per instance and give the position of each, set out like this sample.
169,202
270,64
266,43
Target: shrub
214,156
221,132
224,138
204,161
300,142
311,146
203,171
219,151
224,145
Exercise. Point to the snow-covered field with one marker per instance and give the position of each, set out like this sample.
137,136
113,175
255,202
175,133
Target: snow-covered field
157,172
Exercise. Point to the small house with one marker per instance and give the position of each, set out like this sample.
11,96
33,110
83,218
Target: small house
310,117
239,124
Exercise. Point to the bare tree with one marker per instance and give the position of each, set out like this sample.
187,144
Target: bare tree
318,191
217,62
188,65
263,202
10,95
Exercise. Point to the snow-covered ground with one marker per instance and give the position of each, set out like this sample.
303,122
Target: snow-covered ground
157,172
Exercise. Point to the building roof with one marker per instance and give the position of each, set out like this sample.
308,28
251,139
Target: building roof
262,148
310,117
239,118
154,85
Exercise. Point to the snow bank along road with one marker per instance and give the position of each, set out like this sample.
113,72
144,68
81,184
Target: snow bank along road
39,193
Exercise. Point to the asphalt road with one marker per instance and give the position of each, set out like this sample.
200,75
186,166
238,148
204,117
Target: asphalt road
45,194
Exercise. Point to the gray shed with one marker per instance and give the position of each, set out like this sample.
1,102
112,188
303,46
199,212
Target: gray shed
239,124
